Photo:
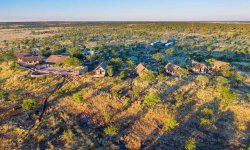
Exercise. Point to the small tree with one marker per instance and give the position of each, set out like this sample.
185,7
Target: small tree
123,75
78,97
248,96
111,130
29,104
148,76
1,95
170,124
110,71
170,51
191,144
72,62
227,96
13,97
74,51
152,98
227,72
116,63
68,135
158,57
131,64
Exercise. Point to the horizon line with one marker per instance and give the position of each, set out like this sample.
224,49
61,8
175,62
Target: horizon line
67,21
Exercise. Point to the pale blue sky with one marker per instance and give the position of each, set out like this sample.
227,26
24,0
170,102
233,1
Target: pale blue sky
124,10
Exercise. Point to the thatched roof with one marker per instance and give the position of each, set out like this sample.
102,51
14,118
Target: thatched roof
23,54
196,65
28,57
171,67
56,59
140,68
219,64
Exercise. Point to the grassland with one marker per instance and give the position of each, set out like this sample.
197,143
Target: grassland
199,110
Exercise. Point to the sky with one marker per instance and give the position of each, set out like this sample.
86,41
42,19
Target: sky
124,10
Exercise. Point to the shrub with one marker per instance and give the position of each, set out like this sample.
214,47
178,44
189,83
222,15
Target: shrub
191,144
148,76
226,95
208,112
13,65
227,72
111,130
182,72
29,104
158,57
238,79
74,51
205,122
78,97
123,75
68,135
170,124
170,51
221,80
116,63
151,99
114,93
248,96
110,71
13,97
72,62
1,95
136,92
179,99
202,80
126,103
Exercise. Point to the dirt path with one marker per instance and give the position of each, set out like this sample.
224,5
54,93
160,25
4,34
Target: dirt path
60,85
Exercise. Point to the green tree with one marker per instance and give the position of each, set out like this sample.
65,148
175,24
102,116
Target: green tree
248,96
111,130
148,76
123,75
170,51
158,57
182,72
29,104
72,62
152,98
227,72
191,144
227,96
116,63
74,51
13,97
131,64
110,71
78,97
2,95
170,124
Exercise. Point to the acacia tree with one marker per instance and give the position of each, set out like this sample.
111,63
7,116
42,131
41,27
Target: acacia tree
72,62
74,51
152,98
110,71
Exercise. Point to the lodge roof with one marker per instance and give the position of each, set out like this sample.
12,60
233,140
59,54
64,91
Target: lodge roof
171,67
28,57
198,65
56,59
219,64
140,68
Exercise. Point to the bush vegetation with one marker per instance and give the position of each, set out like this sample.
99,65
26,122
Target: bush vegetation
29,104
